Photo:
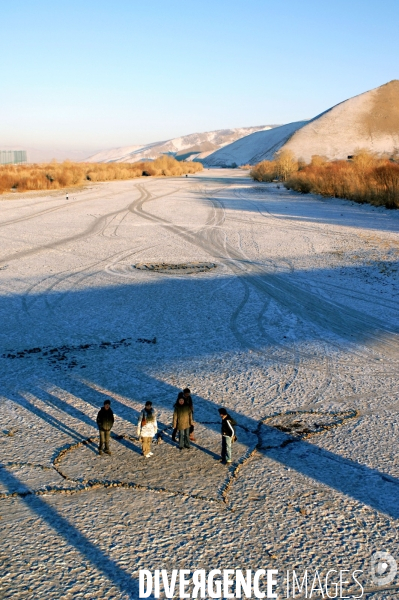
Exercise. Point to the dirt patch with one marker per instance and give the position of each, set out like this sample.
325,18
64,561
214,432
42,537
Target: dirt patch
383,117
66,357
305,424
176,269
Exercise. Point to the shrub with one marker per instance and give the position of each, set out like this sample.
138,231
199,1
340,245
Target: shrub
366,178
264,171
52,176
280,168
286,164
387,179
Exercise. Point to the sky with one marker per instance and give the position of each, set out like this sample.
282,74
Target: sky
81,76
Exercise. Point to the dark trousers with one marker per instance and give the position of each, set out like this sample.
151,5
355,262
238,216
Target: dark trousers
184,441
104,439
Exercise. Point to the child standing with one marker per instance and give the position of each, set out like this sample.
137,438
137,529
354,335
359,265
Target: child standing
228,435
147,428
105,421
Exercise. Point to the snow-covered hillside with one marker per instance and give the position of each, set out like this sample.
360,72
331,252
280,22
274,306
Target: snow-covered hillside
195,145
370,120
253,148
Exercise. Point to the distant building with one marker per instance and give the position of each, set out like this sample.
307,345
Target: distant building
12,157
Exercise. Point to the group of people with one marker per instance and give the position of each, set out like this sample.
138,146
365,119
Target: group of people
183,426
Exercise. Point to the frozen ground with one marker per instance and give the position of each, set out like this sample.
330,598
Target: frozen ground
301,315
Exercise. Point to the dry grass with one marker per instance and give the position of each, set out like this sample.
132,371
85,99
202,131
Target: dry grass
53,176
365,178
280,168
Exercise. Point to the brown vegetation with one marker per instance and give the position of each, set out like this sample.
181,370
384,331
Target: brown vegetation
280,168
55,175
365,178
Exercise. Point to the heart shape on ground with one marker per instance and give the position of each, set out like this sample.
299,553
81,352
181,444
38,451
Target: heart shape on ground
195,472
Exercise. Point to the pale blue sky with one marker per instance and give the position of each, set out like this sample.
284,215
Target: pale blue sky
98,74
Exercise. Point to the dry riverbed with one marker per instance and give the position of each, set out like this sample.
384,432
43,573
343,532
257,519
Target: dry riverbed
283,308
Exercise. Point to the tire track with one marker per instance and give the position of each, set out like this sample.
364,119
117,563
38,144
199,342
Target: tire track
93,196
58,279
210,238
321,314
93,229
107,263
99,224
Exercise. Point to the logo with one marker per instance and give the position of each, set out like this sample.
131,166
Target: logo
383,568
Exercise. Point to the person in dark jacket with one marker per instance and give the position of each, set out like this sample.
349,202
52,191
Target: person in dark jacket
228,433
105,421
182,421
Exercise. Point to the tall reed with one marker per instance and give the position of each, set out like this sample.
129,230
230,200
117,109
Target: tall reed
53,176
364,178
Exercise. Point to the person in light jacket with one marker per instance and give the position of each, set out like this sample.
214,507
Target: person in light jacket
182,421
147,427
228,434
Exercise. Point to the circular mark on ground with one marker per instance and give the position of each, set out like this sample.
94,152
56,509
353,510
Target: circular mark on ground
305,424
177,268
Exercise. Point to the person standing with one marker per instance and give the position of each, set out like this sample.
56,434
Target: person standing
105,421
228,433
186,394
189,401
147,427
182,421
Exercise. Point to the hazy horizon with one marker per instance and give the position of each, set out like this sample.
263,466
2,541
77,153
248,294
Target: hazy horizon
90,76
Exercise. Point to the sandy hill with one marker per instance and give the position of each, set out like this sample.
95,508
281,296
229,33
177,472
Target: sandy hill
370,120
253,148
195,145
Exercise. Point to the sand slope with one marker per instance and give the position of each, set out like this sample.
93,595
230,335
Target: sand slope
370,120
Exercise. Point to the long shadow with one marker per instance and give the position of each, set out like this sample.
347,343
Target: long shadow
309,208
125,312
50,419
95,397
369,486
205,450
168,440
121,409
98,558
152,309
61,405
128,413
